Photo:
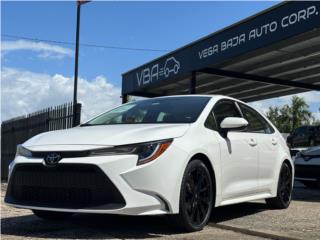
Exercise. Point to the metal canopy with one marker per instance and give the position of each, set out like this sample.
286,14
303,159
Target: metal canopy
273,53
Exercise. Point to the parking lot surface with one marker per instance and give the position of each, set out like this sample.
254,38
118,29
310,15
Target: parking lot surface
243,221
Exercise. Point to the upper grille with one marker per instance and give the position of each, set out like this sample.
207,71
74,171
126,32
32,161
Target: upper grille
63,154
64,186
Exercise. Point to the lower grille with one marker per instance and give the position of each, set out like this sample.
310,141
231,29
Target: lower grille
64,186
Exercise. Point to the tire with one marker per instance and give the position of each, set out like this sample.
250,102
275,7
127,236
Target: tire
51,215
284,191
196,198
310,184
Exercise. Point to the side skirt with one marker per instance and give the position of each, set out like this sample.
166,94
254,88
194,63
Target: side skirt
246,198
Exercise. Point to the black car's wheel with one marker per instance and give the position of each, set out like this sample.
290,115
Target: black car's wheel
283,198
310,184
196,197
51,215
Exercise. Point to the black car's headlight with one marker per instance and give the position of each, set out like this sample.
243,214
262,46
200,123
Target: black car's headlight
146,152
22,151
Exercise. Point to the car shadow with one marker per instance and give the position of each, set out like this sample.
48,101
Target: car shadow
87,226
225,213
98,226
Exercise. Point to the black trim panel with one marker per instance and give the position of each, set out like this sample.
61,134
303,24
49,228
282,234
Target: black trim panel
72,186
307,171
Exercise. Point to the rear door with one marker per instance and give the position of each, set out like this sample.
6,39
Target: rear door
268,144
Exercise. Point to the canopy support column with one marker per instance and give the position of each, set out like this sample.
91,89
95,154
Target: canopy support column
193,82
124,98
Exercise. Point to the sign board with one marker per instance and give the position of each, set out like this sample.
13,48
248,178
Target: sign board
285,21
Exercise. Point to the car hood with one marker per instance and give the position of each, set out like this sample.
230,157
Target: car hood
309,155
312,151
109,135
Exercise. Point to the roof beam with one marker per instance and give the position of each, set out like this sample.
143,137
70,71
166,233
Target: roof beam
256,78
146,94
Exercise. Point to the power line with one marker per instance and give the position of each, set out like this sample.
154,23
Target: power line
84,44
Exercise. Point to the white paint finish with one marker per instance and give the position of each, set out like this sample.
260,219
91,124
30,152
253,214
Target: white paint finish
268,157
239,164
233,122
117,134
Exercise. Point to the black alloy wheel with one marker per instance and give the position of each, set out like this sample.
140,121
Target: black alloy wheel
196,197
285,184
283,198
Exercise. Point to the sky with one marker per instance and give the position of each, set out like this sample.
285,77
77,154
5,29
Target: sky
38,74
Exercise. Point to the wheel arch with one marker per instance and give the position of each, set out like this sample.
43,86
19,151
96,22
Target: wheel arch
289,163
205,159
291,166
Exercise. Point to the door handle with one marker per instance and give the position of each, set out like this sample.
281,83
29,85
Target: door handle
252,142
274,141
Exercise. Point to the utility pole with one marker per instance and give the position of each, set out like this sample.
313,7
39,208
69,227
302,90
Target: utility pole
76,62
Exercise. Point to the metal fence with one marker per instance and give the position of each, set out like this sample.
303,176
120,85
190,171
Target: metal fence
17,130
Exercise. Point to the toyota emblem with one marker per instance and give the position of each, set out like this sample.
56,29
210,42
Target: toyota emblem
52,159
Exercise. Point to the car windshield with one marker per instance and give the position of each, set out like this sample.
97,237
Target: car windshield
157,110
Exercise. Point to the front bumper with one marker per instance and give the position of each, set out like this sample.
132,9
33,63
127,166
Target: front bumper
116,185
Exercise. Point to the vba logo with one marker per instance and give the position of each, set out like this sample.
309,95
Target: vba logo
150,74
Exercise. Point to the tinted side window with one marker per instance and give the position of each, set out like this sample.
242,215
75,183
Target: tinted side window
312,129
225,109
256,122
211,122
301,130
298,130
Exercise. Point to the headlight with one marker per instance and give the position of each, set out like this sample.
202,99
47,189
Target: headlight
22,151
146,152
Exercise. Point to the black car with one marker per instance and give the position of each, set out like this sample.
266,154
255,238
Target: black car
305,136
307,167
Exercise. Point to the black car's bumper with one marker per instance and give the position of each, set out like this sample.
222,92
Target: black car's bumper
307,172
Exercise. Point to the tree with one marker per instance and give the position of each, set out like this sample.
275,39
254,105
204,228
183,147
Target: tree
289,117
300,112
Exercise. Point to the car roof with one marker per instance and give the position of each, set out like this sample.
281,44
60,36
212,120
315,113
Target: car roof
214,96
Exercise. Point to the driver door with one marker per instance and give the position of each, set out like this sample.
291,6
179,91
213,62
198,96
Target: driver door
239,155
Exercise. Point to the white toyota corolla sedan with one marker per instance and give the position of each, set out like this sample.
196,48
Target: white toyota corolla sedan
178,155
